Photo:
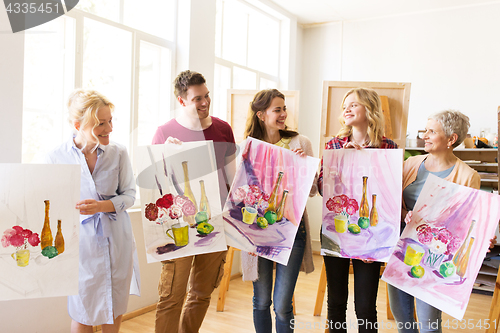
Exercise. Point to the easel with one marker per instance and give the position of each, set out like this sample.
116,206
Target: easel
495,302
224,284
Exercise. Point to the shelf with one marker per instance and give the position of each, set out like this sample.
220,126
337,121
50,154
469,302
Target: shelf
457,149
487,270
481,164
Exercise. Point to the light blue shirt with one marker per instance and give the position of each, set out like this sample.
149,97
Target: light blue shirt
106,239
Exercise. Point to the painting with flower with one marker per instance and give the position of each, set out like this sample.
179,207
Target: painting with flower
180,200
361,202
267,199
39,230
441,250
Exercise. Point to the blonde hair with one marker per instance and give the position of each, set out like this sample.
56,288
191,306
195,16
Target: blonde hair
83,105
453,121
371,101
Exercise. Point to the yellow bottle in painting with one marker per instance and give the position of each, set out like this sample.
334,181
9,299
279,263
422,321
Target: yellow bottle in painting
46,235
188,193
59,241
281,208
273,198
461,250
364,210
463,262
373,212
204,205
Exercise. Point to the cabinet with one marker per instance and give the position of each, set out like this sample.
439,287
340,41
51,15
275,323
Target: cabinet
484,161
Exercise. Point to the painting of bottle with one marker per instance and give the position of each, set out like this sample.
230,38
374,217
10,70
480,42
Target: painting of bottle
463,261
188,193
364,210
373,212
273,198
460,251
59,241
281,208
204,205
46,235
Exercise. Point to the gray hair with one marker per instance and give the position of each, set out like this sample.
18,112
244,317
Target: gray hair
453,121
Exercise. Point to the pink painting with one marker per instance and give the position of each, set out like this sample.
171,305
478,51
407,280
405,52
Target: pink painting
441,250
267,199
361,202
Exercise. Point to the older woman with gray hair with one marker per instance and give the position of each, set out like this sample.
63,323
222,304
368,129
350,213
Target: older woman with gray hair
444,131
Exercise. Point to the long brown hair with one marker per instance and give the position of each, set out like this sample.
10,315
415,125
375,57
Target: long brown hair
261,102
371,101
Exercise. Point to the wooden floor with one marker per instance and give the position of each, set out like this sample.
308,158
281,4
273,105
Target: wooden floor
237,316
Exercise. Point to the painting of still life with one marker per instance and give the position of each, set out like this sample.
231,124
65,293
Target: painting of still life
267,199
180,203
39,230
361,202
441,250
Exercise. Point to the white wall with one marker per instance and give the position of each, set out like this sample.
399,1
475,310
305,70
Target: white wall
450,57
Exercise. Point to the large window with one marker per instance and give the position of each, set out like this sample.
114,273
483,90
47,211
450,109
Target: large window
122,48
248,44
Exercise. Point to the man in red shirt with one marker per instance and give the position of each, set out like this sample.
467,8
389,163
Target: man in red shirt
204,271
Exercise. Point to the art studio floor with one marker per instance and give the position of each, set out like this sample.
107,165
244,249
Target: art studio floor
237,316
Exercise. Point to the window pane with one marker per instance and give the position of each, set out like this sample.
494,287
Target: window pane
222,82
109,9
49,53
156,17
267,84
234,42
218,29
243,79
154,90
263,44
107,62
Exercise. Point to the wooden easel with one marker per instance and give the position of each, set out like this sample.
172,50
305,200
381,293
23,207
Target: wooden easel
495,302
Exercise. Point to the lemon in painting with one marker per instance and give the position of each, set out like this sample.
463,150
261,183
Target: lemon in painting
262,222
354,228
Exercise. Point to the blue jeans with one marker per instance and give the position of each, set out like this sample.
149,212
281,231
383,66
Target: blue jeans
402,307
286,278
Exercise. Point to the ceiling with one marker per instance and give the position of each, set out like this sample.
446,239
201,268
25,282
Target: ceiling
322,11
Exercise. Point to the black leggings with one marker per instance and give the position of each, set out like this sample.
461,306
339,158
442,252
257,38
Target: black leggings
366,278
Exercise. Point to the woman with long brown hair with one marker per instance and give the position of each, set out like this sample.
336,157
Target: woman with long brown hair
266,122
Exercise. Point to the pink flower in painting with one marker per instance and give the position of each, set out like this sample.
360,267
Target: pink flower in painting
425,237
351,210
337,200
345,200
239,194
254,189
33,239
151,212
26,233
180,200
265,196
354,204
175,212
18,229
5,241
262,205
453,245
17,240
444,235
330,203
188,208
250,199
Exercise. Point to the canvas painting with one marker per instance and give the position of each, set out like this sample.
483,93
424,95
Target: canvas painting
267,199
39,230
441,250
180,202
361,202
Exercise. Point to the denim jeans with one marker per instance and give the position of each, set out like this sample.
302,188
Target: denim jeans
366,279
286,278
402,307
